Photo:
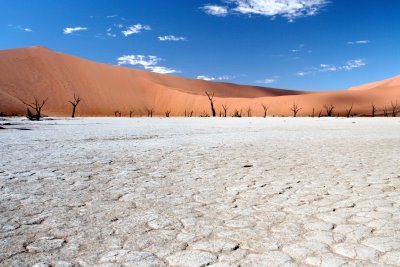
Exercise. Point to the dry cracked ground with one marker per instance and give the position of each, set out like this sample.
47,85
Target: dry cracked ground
200,192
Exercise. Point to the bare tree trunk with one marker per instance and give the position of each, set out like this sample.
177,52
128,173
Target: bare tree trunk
211,98
225,108
373,107
348,111
329,110
395,109
265,108
295,109
74,103
249,112
37,105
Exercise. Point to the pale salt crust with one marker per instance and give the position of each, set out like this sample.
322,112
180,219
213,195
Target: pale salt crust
175,192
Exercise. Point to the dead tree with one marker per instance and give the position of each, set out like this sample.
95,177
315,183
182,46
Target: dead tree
313,113
131,112
150,112
204,114
74,104
373,110
36,105
167,112
348,111
295,108
320,114
395,108
265,108
237,113
329,110
225,108
385,111
249,112
211,98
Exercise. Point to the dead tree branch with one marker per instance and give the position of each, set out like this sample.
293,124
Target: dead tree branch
37,106
295,109
329,110
225,108
265,108
348,111
74,103
211,99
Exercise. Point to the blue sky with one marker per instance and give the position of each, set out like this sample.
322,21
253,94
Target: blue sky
291,44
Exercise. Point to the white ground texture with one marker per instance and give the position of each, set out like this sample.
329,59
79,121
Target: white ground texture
200,192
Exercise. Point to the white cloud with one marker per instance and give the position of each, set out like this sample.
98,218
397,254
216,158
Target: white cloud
267,81
147,62
171,38
111,16
290,9
354,64
303,73
20,28
134,29
75,29
205,78
215,10
359,42
219,78
348,66
110,33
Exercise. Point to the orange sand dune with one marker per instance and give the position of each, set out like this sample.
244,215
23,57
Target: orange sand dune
104,89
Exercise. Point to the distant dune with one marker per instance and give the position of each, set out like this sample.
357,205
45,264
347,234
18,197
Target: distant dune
43,73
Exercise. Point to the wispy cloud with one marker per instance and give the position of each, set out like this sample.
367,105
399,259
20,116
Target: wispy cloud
219,78
290,9
147,62
110,33
348,66
135,29
75,29
268,80
112,16
18,27
359,42
171,38
215,10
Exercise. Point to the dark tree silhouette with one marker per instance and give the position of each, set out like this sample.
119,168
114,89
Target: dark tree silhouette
295,109
313,113
320,114
237,113
373,110
329,110
348,111
150,112
385,111
249,112
204,114
131,112
167,112
74,104
211,98
265,108
37,106
395,108
225,108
